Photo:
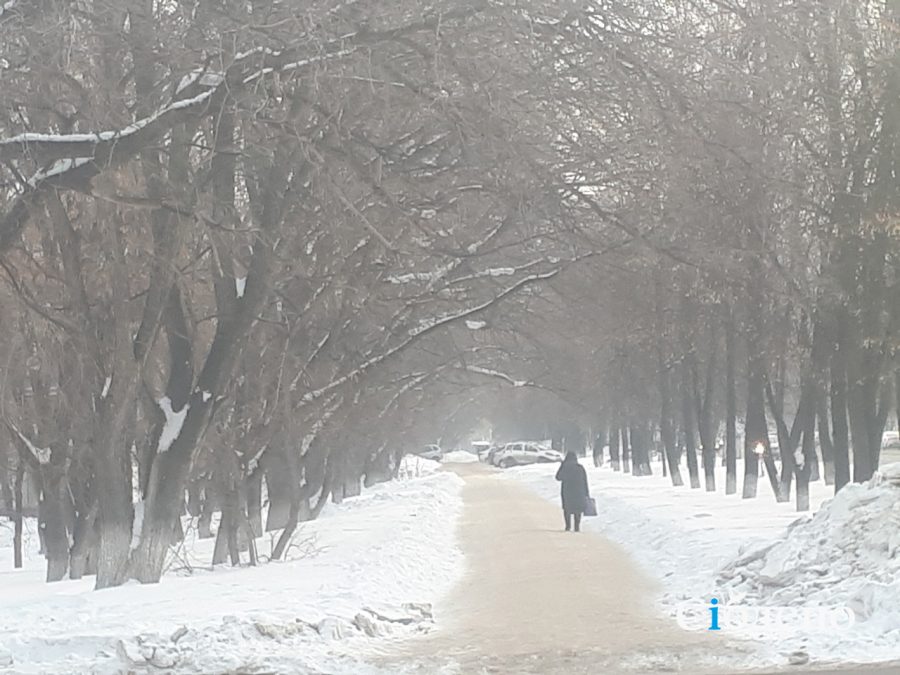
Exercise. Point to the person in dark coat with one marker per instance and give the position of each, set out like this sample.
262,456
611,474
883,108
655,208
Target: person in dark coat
574,490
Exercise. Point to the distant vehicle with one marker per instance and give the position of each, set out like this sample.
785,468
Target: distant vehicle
890,440
491,452
431,452
524,452
481,448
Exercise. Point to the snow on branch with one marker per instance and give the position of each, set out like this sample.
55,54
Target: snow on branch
72,160
103,147
415,380
174,422
423,329
242,71
40,455
8,6
497,374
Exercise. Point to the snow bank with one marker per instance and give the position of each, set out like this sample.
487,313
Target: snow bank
460,457
366,570
846,555
412,466
756,554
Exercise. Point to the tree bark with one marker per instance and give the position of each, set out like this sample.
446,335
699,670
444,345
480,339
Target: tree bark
730,407
254,503
808,451
825,438
19,506
688,425
86,539
640,441
755,431
614,442
704,409
52,522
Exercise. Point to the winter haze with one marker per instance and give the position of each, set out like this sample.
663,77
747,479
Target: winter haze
449,336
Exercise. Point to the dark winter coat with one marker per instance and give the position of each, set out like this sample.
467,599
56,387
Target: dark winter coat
574,486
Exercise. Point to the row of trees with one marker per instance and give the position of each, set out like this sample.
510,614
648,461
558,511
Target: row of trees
253,252
748,154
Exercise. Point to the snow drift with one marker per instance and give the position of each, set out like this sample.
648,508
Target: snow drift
371,569
846,554
460,457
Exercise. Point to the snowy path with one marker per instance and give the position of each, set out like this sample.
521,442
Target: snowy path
539,600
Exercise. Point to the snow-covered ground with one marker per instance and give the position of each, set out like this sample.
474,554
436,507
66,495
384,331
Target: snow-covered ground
460,457
823,585
364,572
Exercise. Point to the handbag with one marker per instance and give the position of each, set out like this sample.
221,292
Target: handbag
590,507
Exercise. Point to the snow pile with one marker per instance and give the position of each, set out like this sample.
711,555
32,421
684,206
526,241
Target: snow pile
460,457
412,466
368,570
846,555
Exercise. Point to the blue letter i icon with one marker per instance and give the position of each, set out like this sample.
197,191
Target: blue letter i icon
714,622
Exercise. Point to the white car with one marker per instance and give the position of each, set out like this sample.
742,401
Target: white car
481,449
523,452
431,452
890,440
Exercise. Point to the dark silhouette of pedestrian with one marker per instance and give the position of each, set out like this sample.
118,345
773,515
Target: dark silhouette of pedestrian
574,490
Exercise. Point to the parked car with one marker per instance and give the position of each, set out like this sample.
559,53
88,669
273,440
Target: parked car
491,453
890,447
524,452
431,452
890,440
481,448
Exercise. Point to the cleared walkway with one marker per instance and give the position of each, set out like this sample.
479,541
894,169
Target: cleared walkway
536,599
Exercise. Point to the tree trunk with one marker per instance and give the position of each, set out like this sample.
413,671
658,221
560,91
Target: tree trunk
688,423
254,503
867,399
730,408
808,452
666,429
52,522
279,488
207,510
614,441
6,489
839,425
626,449
352,486
667,416
86,539
787,442
115,518
19,506
163,506
825,438
226,536
195,498
755,431
640,442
